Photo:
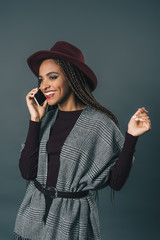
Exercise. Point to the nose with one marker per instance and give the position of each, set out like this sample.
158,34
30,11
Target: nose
45,84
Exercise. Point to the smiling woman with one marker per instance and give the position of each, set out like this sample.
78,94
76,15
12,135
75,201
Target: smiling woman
72,150
53,83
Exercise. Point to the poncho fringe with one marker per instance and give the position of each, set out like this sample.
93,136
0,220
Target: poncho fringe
17,237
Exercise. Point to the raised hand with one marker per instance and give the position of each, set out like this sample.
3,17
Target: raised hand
139,123
36,112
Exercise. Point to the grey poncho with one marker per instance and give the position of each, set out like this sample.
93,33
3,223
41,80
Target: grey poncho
86,159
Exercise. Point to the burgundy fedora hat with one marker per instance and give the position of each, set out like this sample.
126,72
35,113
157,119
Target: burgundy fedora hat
66,51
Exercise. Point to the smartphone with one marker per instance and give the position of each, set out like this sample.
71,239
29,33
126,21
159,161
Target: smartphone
39,97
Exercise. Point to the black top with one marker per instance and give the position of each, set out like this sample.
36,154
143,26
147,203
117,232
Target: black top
28,162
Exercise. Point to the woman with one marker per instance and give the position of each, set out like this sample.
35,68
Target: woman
74,147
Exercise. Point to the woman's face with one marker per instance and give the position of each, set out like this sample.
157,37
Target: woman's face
54,84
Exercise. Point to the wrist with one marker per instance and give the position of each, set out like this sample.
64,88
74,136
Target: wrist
35,119
131,133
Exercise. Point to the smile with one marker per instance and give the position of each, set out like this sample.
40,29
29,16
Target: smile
49,94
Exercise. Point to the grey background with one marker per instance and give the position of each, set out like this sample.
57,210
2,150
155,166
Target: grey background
120,42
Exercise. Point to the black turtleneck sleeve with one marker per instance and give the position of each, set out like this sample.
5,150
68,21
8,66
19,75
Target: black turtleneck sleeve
122,167
28,162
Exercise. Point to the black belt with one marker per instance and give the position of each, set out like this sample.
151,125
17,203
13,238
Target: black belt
53,192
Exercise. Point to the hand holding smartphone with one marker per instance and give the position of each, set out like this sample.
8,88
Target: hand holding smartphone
39,97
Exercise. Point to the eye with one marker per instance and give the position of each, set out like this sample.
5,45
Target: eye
53,77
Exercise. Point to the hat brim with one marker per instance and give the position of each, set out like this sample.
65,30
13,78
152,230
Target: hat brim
35,60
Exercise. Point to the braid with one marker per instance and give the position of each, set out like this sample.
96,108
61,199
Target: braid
79,83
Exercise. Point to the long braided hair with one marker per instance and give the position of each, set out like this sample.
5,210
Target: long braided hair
79,83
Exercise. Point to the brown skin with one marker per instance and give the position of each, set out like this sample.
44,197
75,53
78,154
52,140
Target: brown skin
139,123
64,95
67,101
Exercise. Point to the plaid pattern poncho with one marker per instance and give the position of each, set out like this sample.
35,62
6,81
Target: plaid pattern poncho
87,156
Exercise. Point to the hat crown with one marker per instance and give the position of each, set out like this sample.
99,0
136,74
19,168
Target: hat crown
68,49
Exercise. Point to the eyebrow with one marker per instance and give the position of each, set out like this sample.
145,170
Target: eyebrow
48,74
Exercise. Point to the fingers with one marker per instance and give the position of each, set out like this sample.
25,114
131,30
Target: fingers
33,91
142,112
141,115
142,118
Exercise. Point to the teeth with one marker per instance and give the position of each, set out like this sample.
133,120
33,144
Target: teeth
48,93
